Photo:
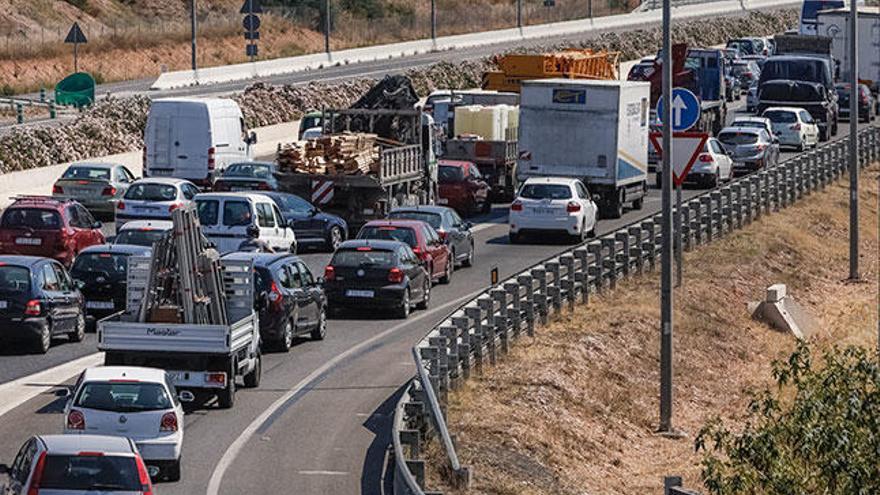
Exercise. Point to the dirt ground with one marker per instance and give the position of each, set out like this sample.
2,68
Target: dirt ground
574,409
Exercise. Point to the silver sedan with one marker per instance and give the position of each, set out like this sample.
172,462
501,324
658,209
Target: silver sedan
97,186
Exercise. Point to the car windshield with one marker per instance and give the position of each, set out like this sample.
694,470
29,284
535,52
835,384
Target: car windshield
151,192
405,235
293,204
545,191
641,72
139,237
362,257
746,47
87,266
123,396
735,138
739,69
781,117
237,214
432,219
15,279
448,174
92,473
208,210
31,218
310,121
253,170
87,173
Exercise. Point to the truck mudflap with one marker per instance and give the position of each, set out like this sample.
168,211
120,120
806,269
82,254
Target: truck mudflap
198,379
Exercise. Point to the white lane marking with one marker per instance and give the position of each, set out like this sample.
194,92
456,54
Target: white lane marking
326,473
23,389
236,447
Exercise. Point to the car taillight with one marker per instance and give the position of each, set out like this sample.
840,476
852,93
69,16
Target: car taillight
275,295
795,127
747,74
120,205
417,251
211,162
76,420
109,191
443,235
174,207
219,378
706,158
168,422
143,476
33,308
329,273
264,186
56,189
395,276
38,475
573,207
516,206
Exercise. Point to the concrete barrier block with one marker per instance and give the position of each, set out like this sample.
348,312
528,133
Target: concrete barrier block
776,293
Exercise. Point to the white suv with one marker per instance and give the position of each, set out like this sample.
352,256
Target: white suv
553,204
138,403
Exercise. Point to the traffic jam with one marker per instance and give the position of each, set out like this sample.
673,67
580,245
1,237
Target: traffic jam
200,267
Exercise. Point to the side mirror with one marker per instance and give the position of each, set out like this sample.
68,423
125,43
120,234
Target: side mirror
97,225
468,226
62,392
186,396
252,139
319,281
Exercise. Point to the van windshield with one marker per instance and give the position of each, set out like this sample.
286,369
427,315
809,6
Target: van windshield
208,210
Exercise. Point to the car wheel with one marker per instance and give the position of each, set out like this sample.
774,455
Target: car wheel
514,237
800,146
404,308
582,237
321,330
426,300
447,275
469,261
172,471
252,379
285,342
45,340
334,238
487,206
293,248
79,333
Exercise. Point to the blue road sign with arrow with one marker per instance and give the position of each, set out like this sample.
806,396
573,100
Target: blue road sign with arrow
685,109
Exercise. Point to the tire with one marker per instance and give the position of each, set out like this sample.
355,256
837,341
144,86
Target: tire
334,239
403,310
639,203
252,379
800,147
823,134
226,397
487,206
286,341
469,261
79,333
447,275
514,237
172,472
426,301
321,330
292,248
43,344
615,209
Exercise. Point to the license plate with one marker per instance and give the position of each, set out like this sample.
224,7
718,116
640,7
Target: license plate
29,241
99,304
442,201
2,304
544,211
145,208
359,293
177,376
160,172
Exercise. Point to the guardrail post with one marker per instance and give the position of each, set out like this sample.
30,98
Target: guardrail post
554,289
567,283
706,219
52,112
478,339
610,260
19,113
501,325
527,282
432,355
725,206
462,325
623,238
597,270
765,177
582,274
450,333
442,385
540,275
42,95
649,244
487,305
635,249
515,311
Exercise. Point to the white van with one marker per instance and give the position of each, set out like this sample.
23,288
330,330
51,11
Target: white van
225,218
190,138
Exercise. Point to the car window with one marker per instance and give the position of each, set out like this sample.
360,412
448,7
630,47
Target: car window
294,203
431,219
448,174
431,236
237,213
172,390
21,466
85,217
363,257
14,279
64,281
295,277
34,218
208,211
279,218
716,148
83,472
265,216
50,279
582,191
545,191
307,277
73,215
805,116
122,175
283,277
87,173
187,192
403,255
260,171
146,191
123,396
456,220
87,266
405,235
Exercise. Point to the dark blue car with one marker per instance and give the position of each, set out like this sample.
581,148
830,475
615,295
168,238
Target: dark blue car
247,176
102,274
312,226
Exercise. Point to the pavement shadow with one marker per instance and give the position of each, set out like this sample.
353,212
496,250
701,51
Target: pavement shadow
377,476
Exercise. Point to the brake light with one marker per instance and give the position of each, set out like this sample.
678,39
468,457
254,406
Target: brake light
329,273
211,162
109,191
747,74
143,476
275,295
168,422
573,207
76,420
795,127
120,205
706,158
417,250
174,207
216,378
264,186
33,308
395,276
760,147
443,235
38,475
82,182
516,206
56,189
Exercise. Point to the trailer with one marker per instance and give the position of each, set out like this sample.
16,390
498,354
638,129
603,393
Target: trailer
495,159
835,25
202,358
596,131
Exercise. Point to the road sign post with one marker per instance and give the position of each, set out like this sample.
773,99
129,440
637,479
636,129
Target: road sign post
192,33
251,24
75,36
663,113
853,144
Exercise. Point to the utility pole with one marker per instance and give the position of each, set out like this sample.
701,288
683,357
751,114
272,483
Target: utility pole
666,233
327,26
434,21
590,9
192,27
519,14
853,144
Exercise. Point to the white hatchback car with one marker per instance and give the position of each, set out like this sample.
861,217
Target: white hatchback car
552,204
793,127
712,166
137,403
154,199
142,232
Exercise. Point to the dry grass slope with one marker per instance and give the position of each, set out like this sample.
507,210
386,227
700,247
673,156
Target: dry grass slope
573,410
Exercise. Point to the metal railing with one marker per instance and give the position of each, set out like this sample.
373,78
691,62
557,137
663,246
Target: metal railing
475,333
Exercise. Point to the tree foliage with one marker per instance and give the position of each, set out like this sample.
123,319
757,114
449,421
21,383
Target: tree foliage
818,432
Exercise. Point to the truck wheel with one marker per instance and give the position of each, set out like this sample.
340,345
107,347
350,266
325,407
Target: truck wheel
172,471
514,237
614,209
252,379
226,397
639,203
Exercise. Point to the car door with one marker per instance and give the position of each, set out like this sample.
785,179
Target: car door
90,234
587,204
20,469
439,251
286,234
70,296
725,165
313,295
293,284
812,130
480,187
268,225
416,272
459,236
54,299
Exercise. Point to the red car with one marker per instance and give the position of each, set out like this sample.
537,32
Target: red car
47,227
462,187
423,240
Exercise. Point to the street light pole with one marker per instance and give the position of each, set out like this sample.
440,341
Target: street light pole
434,21
192,20
519,14
327,26
666,234
853,144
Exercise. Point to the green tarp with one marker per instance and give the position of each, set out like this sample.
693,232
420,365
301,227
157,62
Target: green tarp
76,89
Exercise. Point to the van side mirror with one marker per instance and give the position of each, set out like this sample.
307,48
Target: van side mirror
252,139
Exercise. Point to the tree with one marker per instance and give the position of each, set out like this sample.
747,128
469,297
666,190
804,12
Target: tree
818,432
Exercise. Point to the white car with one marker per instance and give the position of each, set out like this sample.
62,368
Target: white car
136,403
712,166
225,218
793,127
752,98
142,232
154,199
755,122
552,204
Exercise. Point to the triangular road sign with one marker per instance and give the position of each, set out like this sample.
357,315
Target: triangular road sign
251,7
686,147
75,35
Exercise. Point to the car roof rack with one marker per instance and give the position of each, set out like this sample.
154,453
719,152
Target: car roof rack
35,197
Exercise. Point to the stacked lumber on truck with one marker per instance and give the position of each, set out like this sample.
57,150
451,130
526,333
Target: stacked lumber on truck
336,154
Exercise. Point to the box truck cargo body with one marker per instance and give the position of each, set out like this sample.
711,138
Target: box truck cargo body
835,25
596,131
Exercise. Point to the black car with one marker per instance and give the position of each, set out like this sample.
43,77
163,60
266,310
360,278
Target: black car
376,274
38,302
101,272
247,176
312,226
454,231
866,102
288,298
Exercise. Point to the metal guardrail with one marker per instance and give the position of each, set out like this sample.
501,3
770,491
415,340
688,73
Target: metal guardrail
478,330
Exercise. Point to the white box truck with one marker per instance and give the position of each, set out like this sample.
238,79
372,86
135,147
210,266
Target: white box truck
596,131
192,138
835,25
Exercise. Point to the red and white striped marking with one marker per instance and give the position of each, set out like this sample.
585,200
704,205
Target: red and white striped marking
322,191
